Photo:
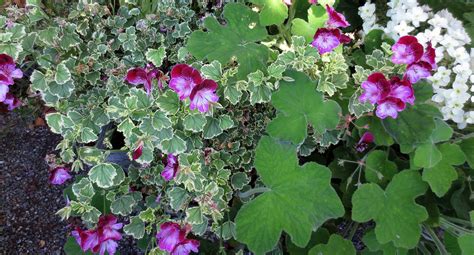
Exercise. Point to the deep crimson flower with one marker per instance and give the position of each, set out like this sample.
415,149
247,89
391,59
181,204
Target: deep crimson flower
8,70
11,101
417,71
366,139
327,39
336,19
390,106
145,77
376,88
171,169
87,239
183,79
101,239
108,228
430,56
137,153
402,89
407,50
172,238
59,175
202,95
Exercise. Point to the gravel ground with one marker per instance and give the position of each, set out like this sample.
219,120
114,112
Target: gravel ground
28,224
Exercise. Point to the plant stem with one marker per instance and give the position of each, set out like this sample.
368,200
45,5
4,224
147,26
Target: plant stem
353,231
253,191
442,250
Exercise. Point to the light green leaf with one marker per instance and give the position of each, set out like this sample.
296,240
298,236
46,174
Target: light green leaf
123,205
299,199
212,128
237,39
467,146
397,217
135,228
83,190
301,105
212,71
427,155
88,135
62,74
194,215
156,56
38,81
336,245
378,169
178,196
168,102
13,50
175,145
194,122
273,12
103,175
55,122
317,16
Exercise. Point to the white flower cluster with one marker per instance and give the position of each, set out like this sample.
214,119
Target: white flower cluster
453,81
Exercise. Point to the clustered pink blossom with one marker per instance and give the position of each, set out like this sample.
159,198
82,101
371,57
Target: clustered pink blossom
366,139
392,95
171,168
137,153
145,77
172,238
8,72
327,39
59,175
187,82
101,239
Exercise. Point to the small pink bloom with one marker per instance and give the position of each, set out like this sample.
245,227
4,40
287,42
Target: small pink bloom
203,95
336,19
59,175
430,56
110,246
169,236
376,87
8,70
389,107
183,79
137,153
101,239
417,71
87,239
11,101
171,169
327,39
108,228
407,50
313,1
3,92
185,247
287,2
366,139
402,89
145,76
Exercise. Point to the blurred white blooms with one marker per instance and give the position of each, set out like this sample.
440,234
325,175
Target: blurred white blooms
453,81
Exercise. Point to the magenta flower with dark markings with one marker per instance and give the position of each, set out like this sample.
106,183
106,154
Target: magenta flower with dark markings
327,39
417,71
203,95
366,139
11,101
376,87
407,50
137,153
8,72
429,56
171,169
183,79
101,239
59,175
172,238
313,1
145,76
402,89
390,106
336,19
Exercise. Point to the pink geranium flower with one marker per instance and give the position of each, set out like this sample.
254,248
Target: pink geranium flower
11,101
407,50
59,175
187,82
327,39
101,239
402,89
145,77
418,71
376,87
336,19
137,153
171,169
8,70
430,56
172,238
390,106
313,1
366,139
183,79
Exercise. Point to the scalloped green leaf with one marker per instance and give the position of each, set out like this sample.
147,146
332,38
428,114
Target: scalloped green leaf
175,145
397,217
427,155
301,105
299,199
317,17
194,122
62,74
273,12
135,228
103,175
156,56
123,205
336,245
235,40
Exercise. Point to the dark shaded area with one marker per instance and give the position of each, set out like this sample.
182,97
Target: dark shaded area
28,224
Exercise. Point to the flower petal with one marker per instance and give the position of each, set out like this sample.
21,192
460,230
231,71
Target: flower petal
430,56
136,76
169,236
389,107
407,50
59,175
336,19
325,40
417,71
203,95
185,247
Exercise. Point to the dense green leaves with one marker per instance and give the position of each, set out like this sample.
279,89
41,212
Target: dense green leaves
398,218
467,147
317,16
336,245
300,105
299,199
273,12
237,39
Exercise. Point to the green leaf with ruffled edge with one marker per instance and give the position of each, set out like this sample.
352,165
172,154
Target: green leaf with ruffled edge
299,200
317,17
299,105
467,146
336,245
273,12
237,39
397,217
103,175
135,228
156,56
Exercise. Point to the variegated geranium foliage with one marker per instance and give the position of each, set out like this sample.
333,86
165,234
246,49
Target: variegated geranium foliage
262,126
